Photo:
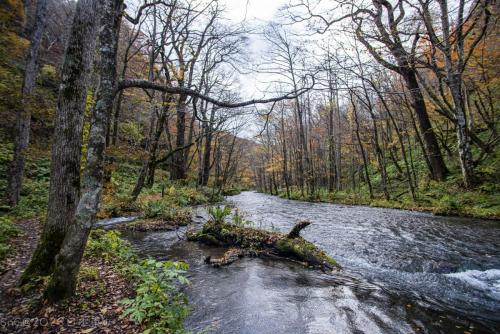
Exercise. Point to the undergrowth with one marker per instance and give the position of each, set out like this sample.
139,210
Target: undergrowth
158,305
8,230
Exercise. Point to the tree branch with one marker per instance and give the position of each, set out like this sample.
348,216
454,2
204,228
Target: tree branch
144,84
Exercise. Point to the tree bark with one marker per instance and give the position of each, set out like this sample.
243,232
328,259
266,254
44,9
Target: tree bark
178,161
23,116
439,170
63,282
363,154
149,165
285,156
207,157
64,188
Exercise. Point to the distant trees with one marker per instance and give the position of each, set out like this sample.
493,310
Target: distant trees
428,46
34,29
285,60
71,215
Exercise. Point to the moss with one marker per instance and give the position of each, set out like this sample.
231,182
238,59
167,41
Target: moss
43,258
203,237
305,251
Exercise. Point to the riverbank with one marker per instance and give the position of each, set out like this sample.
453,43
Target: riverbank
403,272
116,292
110,293
443,199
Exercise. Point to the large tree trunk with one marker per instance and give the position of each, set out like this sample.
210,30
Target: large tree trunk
438,167
23,117
63,282
178,161
64,189
141,179
207,156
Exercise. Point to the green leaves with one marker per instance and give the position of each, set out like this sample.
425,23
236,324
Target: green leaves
7,231
108,245
218,214
158,303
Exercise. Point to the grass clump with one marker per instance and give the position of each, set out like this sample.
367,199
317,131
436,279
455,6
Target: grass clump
163,210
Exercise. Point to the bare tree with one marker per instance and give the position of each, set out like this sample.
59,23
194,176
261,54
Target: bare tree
378,26
23,116
64,189
449,44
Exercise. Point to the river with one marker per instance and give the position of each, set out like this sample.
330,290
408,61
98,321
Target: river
404,272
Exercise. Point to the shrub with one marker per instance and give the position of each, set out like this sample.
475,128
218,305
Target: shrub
167,212
109,246
117,206
158,303
218,214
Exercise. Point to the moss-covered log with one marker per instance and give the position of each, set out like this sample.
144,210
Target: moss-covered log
230,256
260,242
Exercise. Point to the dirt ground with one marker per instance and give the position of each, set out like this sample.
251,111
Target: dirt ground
95,308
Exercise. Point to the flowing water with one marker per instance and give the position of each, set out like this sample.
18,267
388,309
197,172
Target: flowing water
404,272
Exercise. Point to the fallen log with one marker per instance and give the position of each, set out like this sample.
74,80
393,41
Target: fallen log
295,232
230,256
259,242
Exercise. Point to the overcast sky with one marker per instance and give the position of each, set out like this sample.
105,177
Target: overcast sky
253,13
252,10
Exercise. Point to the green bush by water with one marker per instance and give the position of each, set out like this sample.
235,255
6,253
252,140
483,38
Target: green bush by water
158,303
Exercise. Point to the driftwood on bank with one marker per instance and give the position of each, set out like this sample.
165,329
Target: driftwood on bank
257,242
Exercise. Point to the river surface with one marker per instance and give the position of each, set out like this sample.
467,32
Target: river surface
404,272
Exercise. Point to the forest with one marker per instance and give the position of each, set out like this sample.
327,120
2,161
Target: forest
148,146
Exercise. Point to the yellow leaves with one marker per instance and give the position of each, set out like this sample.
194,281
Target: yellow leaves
273,167
177,73
12,13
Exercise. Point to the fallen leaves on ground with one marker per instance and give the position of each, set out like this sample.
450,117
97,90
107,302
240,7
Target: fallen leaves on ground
95,308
